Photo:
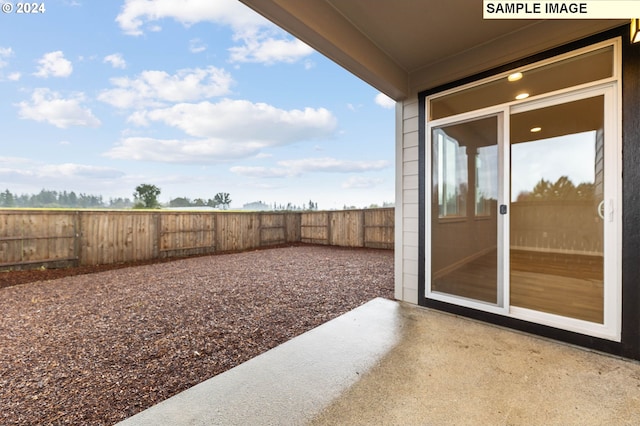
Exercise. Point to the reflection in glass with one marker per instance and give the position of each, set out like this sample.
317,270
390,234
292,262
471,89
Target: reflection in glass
463,217
486,178
452,175
556,233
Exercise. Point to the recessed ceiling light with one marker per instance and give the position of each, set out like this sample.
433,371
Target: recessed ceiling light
515,76
635,30
522,96
536,129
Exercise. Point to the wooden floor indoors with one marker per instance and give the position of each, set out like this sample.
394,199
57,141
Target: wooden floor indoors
561,284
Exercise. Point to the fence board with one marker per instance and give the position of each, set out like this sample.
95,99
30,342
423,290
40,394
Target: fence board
293,222
347,228
185,234
314,228
379,228
237,231
28,239
62,238
115,237
272,229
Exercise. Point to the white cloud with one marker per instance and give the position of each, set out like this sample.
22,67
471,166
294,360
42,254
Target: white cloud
18,162
116,60
288,168
259,47
328,164
257,124
196,45
220,131
361,182
384,101
154,88
29,171
50,107
54,64
262,172
179,151
5,52
260,40
71,170
136,13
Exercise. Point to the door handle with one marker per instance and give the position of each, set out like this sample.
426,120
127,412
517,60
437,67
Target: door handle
601,209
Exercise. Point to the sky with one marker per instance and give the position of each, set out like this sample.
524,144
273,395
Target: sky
195,96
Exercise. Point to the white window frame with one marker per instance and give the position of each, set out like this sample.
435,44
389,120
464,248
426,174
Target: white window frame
611,89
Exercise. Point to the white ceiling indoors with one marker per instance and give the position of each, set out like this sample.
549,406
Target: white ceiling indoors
405,46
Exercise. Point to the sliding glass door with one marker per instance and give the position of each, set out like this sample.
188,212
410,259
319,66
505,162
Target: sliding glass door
557,209
523,218
465,255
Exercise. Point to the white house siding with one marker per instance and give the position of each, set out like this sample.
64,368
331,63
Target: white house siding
406,233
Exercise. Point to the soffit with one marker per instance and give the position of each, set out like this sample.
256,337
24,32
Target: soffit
405,46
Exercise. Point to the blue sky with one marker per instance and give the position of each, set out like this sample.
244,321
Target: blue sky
195,97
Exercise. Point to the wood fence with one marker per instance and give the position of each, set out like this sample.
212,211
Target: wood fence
349,228
34,238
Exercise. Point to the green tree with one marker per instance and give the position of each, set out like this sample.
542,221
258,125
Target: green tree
222,199
180,202
120,203
7,199
146,196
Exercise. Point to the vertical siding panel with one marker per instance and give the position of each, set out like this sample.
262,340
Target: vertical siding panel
406,238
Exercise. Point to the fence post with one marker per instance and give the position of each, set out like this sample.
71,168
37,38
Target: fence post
157,236
77,237
363,230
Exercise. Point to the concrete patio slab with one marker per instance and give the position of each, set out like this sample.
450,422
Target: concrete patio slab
391,363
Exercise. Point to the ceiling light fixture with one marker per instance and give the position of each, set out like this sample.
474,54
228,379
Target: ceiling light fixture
535,129
515,76
522,96
635,30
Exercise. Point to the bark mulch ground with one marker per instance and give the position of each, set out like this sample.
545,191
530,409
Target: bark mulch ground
96,348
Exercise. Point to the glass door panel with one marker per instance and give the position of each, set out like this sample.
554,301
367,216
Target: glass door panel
556,217
464,226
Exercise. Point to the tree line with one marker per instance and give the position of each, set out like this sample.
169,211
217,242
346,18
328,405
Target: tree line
145,196
52,199
561,189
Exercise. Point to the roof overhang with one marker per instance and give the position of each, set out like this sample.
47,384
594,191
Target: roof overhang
403,47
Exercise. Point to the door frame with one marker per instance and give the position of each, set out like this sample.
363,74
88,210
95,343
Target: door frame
611,327
612,293
500,112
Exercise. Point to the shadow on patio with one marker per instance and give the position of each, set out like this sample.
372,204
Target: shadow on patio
391,363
